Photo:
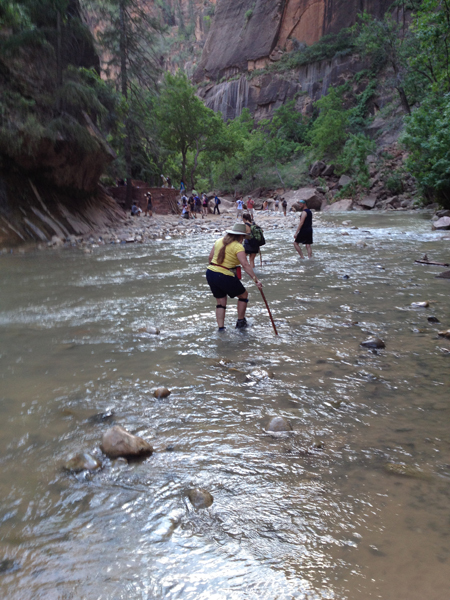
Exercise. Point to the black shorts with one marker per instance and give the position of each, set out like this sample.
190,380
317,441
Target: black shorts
305,237
223,285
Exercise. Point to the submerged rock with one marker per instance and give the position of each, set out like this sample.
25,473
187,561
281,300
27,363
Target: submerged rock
149,330
117,441
444,275
433,320
420,304
8,566
83,461
259,374
161,392
278,425
200,498
403,470
103,417
373,342
445,334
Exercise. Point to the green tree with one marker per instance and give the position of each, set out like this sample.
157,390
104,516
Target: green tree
186,125
328,132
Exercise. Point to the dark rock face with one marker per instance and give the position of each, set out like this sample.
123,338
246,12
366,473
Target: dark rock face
249,35
246,34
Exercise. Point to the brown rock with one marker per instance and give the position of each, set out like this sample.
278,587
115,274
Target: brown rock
117,441
445,334
200,498
444,275
161,392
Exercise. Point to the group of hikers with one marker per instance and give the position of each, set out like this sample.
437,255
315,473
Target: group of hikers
195,205
250,205
229,255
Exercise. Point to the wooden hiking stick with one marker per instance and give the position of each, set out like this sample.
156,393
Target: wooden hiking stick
260,256
270,314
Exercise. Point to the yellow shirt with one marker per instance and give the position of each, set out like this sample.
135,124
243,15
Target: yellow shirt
230,261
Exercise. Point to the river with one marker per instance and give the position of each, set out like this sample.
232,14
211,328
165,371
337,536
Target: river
317,514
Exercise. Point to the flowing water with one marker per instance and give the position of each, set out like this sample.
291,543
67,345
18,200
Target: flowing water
317,514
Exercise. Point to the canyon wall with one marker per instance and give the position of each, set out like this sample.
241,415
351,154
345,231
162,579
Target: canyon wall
247,36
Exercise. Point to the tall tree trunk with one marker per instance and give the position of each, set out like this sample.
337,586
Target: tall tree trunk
404,100
59,76
183,166
124,86
194,168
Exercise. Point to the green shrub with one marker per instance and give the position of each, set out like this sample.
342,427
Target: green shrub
248,15
427,138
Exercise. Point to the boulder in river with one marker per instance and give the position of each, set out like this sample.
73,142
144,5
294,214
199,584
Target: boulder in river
444,275
339,206
161,392
420,304
441,224
117,441
149,330
445,334
373,342
403,470
278,425
83,461
433,320
260,374
200,498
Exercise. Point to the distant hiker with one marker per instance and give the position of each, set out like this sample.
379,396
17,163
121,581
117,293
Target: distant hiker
169,182
197,205
239,208
277,203
284,205
224,273
216,204
135,210
191,204
250,206
182,187
265,205
304,233
205,205
164,183
149,209
184,200
185,212
254,240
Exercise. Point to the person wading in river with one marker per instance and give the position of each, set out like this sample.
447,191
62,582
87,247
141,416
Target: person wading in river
223,274
254,238
304,233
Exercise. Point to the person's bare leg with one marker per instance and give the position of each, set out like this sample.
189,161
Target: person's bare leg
299,250
309,250
242,306
251,259
220,312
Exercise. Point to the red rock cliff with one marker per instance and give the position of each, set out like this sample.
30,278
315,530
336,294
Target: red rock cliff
245,33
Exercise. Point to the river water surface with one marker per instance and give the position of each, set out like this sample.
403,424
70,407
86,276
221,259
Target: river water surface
315,515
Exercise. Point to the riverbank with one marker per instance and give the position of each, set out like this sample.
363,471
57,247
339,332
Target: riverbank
141,230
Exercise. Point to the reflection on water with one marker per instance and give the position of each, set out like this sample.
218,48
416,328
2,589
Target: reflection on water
315,515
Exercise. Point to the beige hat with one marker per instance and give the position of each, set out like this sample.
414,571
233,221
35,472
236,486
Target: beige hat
238,229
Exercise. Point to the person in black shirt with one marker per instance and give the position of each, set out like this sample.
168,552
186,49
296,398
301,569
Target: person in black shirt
304,233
